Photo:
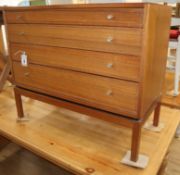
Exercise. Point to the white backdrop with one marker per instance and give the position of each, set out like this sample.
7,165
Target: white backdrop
16,2
9,2
88,1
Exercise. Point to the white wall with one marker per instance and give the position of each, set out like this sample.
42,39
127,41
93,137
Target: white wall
88,1
105,1
9,2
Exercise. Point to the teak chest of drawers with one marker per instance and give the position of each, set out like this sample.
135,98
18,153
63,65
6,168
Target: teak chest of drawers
103,60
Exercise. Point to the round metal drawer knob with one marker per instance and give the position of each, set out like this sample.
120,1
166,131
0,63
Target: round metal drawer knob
109,39
22,33
26,74
109,93
19,17
109,65
110,16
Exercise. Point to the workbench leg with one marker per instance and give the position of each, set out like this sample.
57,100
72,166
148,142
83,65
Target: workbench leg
19,105
156,115
135,142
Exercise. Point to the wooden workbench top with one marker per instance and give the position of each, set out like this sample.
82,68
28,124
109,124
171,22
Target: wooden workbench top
80,143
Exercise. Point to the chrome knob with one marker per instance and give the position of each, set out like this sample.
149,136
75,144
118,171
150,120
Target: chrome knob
19,17
109,93
109,65
26,74
110,16
109,39
21,33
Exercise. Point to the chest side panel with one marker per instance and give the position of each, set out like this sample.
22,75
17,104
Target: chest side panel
154,55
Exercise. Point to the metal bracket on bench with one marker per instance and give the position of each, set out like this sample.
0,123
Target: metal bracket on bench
142,162
151,127
23,119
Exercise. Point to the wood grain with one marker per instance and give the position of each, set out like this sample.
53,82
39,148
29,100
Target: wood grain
4,74
2,64
106,93
107,39
100,114
154,55
79,6
77,142
111,65
104,17
135,101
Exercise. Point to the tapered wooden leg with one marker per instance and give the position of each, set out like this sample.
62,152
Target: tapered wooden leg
156,115
19,105
135,143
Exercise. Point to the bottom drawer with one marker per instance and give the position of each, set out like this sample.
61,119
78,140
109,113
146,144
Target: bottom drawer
104,93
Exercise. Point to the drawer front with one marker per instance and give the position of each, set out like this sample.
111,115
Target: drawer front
107,17
107,64
108,94
107,39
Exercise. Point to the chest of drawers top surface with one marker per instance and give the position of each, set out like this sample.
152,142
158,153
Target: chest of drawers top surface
100,55
130,15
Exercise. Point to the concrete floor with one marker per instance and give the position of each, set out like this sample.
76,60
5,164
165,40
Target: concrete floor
173,167
23,162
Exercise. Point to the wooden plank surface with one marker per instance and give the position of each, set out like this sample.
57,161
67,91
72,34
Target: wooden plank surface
80,143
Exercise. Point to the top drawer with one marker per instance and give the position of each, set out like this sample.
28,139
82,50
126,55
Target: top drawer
128,17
